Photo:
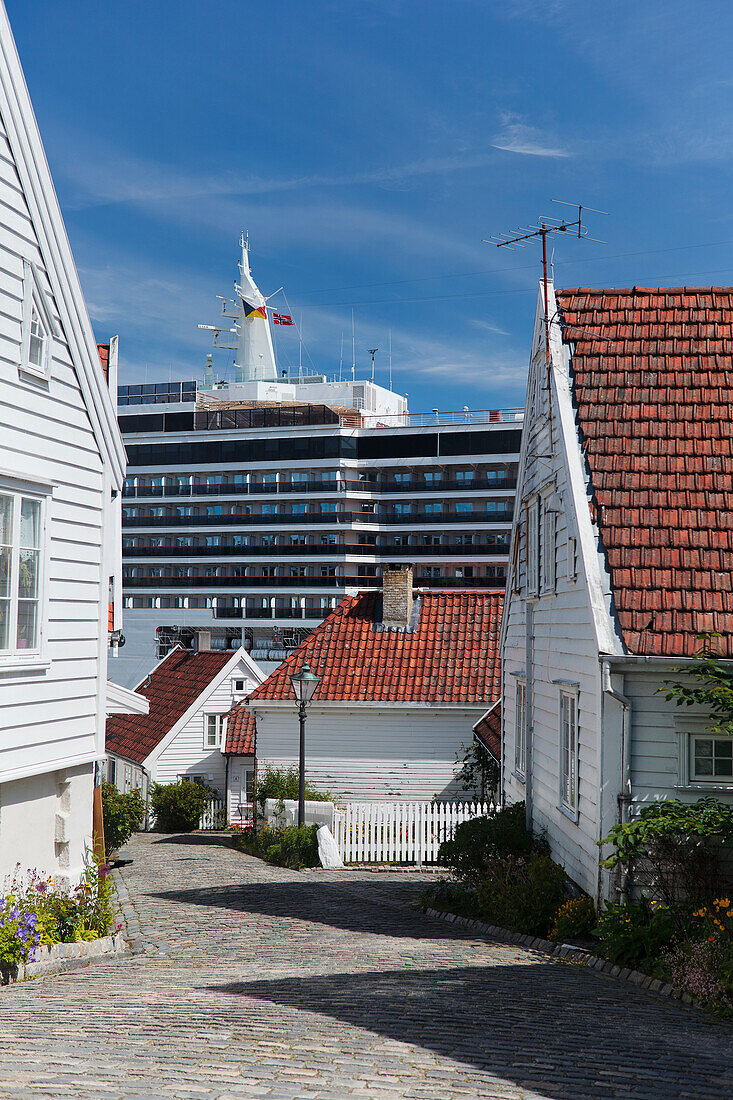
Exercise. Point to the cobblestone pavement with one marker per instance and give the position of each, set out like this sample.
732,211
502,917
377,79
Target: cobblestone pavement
253,981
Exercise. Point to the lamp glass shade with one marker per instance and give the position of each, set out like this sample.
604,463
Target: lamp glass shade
304,684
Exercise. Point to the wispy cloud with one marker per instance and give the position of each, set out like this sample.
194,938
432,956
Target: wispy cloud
516,136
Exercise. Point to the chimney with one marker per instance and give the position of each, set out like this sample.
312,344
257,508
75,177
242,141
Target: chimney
203,641
396,597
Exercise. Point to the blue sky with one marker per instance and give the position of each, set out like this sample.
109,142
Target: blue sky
368,146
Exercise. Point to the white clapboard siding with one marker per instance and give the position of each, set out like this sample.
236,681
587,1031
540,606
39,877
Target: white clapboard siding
364,754
399,832
187,753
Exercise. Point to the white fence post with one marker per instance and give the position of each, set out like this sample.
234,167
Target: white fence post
399,832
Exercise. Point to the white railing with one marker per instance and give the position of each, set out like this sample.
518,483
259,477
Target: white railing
214,816
399,832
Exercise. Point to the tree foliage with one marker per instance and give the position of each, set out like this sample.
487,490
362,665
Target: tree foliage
178,806
123,815
714,687
479,772
282,783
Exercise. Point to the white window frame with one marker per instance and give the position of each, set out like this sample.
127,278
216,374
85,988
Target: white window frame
531,549
239,690
549,550
520,729
569,751
219,730
14,659
708,780
35,301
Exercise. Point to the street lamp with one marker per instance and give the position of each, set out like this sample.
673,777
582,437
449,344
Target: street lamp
304,684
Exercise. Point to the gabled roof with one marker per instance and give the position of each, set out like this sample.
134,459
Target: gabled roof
171,688
240,731
488,730
654,400
452,656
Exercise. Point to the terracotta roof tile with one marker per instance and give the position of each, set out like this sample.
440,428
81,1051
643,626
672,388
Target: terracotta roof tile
654,414
170,689
240,731
103,351
451,657
488,731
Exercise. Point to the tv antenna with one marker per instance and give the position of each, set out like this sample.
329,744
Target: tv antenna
544,227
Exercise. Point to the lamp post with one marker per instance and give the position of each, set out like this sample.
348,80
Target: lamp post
304,684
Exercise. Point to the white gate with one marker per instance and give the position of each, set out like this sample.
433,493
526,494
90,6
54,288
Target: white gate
214,816
399,832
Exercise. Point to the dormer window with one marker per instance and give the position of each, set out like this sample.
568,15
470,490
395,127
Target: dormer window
37,326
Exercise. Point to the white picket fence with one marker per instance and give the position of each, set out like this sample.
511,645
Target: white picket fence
214,816
399,832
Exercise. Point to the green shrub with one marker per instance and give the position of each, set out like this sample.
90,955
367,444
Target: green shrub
123,815
520,893
576,917
282,783
178,806
294,847
448,896
481,839
673,848
635,935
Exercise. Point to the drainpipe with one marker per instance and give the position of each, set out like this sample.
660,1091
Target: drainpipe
624,798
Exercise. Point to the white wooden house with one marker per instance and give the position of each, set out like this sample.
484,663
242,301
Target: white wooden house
183,735
622,554
405,675
61,471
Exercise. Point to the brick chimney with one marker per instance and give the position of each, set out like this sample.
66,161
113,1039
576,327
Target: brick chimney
396,597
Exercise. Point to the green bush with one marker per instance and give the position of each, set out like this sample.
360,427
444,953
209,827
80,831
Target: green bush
448,896
521,893
178,806
482,839
123,815
576,917
635,935
282,783
294,847
673,849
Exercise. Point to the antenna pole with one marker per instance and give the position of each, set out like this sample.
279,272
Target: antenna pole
353,347
373,352
390,359
547,309
341,358
300,343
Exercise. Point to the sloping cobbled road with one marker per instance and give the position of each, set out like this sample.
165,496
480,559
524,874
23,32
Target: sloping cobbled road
251,981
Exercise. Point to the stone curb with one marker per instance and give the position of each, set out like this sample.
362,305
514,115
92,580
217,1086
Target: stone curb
50,959
568,953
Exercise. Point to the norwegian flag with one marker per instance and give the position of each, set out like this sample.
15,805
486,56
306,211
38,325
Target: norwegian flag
282,319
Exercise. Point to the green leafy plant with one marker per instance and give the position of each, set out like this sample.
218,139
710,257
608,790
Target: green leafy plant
674,848
178,806
479,772
294,847
635,935
282,783
714,690
575,917
521,893
123,815
448,896
481,839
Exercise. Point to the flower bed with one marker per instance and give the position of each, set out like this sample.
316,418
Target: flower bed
36,914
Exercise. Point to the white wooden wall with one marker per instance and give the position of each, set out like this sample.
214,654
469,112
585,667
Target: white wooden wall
364,754
564,648
52,716
187,754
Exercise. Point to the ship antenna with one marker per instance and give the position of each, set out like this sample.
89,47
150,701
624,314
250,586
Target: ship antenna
341,357
390,359
353,347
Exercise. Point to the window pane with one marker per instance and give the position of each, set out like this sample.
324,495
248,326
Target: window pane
703,756
27,624
30,523
6,520
28,573
4,571
4,624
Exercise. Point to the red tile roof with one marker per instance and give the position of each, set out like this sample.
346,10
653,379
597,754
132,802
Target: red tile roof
171,689
240,731
103,350
451,657
488,731
654,409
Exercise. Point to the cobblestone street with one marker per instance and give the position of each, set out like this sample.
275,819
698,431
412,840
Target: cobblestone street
260,982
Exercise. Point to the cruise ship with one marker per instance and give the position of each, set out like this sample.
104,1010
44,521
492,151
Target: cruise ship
251,507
